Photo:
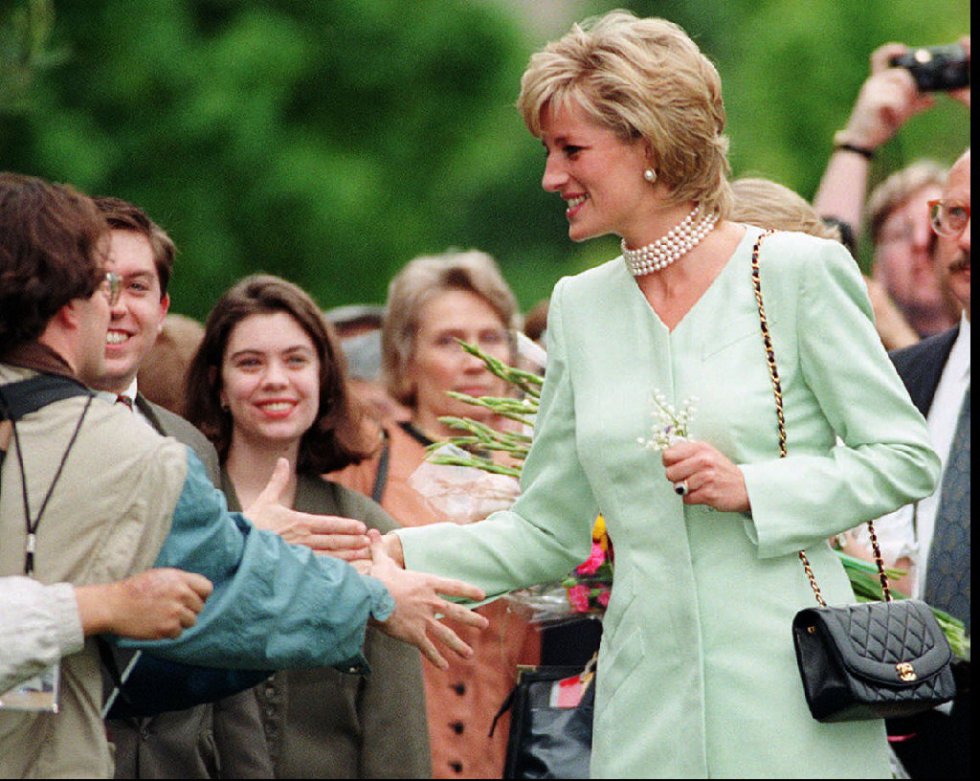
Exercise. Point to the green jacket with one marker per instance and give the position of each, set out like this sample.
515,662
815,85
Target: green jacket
697,675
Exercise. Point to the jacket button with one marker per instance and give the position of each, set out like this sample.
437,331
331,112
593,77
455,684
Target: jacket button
458,727
456,767
459,688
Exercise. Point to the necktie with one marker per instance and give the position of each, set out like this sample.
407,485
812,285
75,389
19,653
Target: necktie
948,574
122,398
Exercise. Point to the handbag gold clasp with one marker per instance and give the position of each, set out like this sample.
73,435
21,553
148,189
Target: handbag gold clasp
905,671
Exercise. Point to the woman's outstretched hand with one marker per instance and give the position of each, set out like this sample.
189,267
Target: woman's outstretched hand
342,538
709,477
419,606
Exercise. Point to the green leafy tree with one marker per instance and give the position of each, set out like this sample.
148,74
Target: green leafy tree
330,141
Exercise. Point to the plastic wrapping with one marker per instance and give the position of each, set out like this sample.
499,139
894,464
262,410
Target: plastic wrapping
462,494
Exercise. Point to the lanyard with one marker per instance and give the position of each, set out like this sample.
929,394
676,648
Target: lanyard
32,527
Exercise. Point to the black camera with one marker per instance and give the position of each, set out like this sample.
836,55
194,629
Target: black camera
936,68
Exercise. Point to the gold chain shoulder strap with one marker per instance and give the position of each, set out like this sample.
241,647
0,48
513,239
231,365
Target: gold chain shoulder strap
777,392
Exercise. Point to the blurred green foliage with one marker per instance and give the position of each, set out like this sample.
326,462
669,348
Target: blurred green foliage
330,141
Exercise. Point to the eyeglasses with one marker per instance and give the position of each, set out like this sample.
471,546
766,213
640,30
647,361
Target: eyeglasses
111,287
948,217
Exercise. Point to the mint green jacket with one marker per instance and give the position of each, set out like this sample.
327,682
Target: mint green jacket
697,675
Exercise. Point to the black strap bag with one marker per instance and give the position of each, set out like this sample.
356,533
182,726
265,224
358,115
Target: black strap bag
868,660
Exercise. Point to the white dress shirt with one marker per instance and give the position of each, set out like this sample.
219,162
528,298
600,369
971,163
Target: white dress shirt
131,391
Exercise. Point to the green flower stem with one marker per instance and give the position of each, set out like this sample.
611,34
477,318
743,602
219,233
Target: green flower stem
528,382
485,465
486,433
514,409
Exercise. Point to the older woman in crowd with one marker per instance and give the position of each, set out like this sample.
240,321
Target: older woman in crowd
268,382
432,302
697,676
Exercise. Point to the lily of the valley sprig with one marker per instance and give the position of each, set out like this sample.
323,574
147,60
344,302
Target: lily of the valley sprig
669,425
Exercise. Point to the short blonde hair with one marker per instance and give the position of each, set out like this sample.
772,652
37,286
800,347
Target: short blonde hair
898,188
642,79
415,286
767,204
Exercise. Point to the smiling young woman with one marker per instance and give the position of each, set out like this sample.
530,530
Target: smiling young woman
269,382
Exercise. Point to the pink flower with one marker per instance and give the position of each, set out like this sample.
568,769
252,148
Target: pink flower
596,559
603,597
578,597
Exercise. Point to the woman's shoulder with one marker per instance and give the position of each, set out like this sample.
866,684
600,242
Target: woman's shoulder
594,286
792,257
605,273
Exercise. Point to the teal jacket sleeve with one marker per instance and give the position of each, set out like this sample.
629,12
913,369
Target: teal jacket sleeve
884,458
274,605
548,531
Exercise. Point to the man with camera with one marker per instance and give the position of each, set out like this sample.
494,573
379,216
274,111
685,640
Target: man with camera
909,303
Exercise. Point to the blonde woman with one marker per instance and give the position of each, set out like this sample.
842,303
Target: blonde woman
697,675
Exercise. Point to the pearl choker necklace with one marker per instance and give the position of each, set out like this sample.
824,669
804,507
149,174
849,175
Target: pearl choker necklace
680,240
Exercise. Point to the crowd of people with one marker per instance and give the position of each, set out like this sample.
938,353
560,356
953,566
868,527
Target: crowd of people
237,495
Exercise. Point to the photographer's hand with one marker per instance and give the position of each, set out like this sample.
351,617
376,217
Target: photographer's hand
963,95
887,100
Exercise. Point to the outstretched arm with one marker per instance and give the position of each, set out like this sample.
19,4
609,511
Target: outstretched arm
40,624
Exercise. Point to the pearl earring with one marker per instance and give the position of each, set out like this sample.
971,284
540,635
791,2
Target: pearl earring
650,175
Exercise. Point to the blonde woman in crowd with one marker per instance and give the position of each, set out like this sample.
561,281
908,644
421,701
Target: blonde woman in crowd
432,302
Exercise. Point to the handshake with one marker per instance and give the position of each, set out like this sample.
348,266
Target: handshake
420,603
420,598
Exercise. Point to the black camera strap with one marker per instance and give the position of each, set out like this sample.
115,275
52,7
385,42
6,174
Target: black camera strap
18,399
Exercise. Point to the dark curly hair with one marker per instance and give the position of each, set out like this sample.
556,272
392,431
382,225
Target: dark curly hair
52,251
337,438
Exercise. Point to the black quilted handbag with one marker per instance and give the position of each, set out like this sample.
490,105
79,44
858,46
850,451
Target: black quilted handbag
872,660
869,660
